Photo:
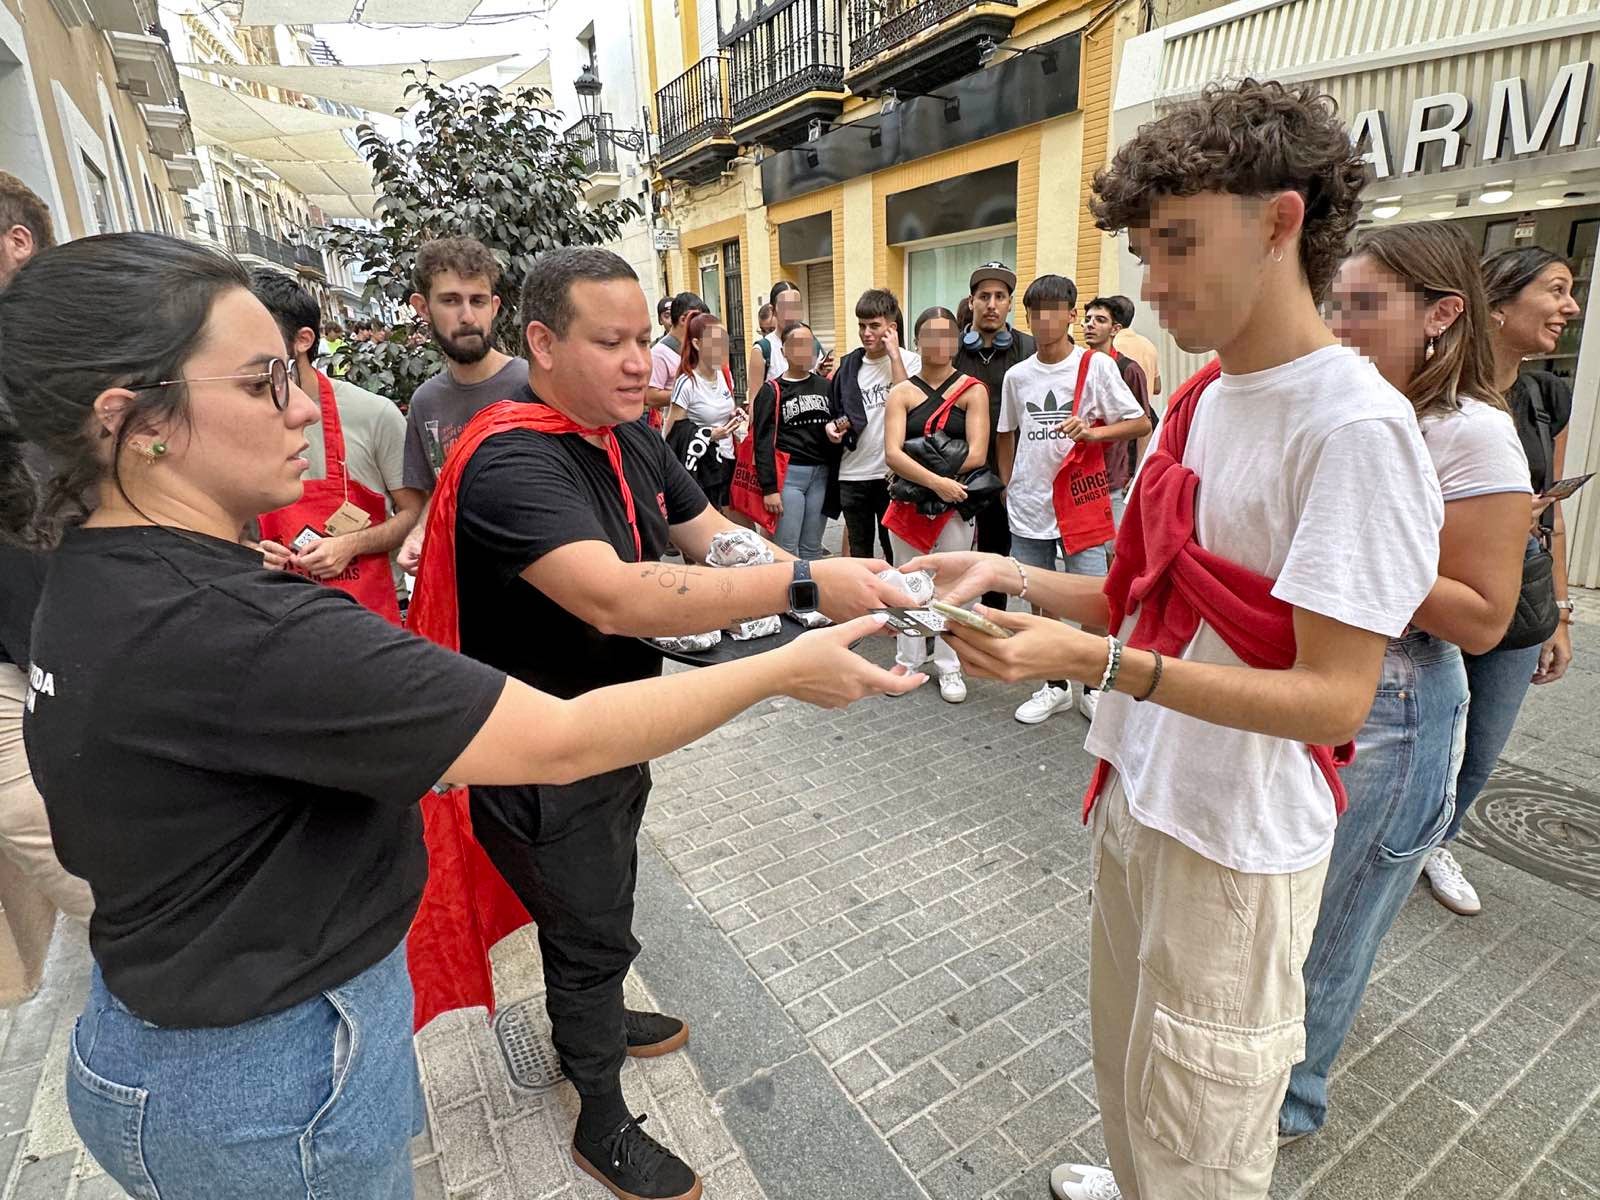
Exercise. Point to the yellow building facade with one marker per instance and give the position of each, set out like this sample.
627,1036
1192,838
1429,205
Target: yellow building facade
843,145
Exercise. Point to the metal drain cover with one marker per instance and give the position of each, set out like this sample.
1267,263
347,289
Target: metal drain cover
1542,825
523,1031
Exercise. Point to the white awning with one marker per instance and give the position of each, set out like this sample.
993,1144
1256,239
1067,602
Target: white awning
338,12
358,207
380,89
223,117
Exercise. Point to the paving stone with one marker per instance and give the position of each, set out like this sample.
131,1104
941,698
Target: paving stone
812,1012
1549,1182
875,944
929,952
924,1035
1475,1076
1049,1120
974,1171
44,1178
1512,1131
989,999
920,1143
866,984
906,1096
806,978
1426,1120
1580,1152
17,1088
1395,1064
466,1148
979,1052
860,1072
101,1187
922,994
981,1105
853,1032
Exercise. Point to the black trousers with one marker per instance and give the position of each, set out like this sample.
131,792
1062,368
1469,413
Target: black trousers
571,855
994,536
864,502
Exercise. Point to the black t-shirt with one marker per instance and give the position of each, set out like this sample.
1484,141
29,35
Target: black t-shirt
525,494
804,408
989,367
232,757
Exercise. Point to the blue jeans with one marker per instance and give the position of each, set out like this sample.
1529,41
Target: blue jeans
1499,682
805,490
1041,553
1402,795
319,1100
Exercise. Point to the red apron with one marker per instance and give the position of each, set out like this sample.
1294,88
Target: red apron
901,518
368,577
1082,490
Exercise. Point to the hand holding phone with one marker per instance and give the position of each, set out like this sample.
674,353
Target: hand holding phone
971,620
1561,489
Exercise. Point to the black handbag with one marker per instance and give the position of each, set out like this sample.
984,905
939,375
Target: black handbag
1537,616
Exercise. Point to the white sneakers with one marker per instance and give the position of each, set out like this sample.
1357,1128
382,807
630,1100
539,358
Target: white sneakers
953,687
1072,1182
1087,699
1044,704
1450,886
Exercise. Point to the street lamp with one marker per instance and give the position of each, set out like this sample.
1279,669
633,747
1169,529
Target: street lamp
989,50
587,86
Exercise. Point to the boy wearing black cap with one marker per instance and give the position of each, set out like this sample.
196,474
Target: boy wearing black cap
990,348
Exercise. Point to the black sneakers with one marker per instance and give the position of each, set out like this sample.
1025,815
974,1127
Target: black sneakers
651,1035
634,1166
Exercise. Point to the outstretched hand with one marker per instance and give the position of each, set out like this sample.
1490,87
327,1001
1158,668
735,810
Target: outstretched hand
826,672
1040,648
962,576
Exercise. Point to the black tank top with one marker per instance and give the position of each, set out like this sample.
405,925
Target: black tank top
917,419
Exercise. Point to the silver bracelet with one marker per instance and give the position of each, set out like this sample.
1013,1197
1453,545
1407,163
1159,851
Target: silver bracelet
1113,664
1022,575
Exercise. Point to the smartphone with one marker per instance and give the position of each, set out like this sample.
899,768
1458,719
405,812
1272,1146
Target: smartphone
1562,488
913,622
970,619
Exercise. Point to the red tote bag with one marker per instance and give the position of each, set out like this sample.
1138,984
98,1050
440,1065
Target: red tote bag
744,493
1082,491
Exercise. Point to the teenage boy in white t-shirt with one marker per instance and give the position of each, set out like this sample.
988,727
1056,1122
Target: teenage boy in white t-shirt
1303,513
1037,429
860,389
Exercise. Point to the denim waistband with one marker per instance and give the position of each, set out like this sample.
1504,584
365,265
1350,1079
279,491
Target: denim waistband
1422,648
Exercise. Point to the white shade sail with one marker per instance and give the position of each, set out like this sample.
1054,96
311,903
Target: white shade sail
223,117
345,207
338,12
379,89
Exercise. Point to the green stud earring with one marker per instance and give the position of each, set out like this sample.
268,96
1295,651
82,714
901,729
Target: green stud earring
154,451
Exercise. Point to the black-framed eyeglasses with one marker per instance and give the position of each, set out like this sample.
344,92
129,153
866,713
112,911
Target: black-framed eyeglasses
280,373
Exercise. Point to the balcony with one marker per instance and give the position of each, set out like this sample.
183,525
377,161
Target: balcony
308,260
592,144
786,69
145,68
184,172
124,16
168,126
246,243
920,45
696,121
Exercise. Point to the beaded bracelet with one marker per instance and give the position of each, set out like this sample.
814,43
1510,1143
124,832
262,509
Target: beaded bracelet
1022,575
1113,664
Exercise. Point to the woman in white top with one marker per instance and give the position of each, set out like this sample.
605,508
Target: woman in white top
1411,300
703,410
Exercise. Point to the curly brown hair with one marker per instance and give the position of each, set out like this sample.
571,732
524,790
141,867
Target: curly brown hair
1246,138
466,257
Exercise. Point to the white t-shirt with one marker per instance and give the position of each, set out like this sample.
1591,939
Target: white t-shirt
867,461
1475,451
706,402
1036,397
1314,474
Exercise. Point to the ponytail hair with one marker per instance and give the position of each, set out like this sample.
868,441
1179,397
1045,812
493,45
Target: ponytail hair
115,310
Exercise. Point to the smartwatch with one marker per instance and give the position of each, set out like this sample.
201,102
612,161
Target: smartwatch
804,594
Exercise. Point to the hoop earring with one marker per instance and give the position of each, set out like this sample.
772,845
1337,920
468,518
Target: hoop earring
1427,351
1277,254
153,452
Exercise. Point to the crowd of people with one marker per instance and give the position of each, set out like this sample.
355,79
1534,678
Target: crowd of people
1300,608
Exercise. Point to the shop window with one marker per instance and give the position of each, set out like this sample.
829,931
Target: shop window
937,275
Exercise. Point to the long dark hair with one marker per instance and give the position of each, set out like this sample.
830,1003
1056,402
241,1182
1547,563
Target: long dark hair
1507,272
101,312
1436,259
693,332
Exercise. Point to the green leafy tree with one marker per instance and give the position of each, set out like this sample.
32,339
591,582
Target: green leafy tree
483,163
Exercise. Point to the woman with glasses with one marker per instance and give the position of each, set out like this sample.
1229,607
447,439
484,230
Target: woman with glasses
232,756
1411,301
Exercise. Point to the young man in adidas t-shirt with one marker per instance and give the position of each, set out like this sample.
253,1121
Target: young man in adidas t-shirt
1283,528
1038,427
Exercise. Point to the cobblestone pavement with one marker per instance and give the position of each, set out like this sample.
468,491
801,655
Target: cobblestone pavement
876,922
